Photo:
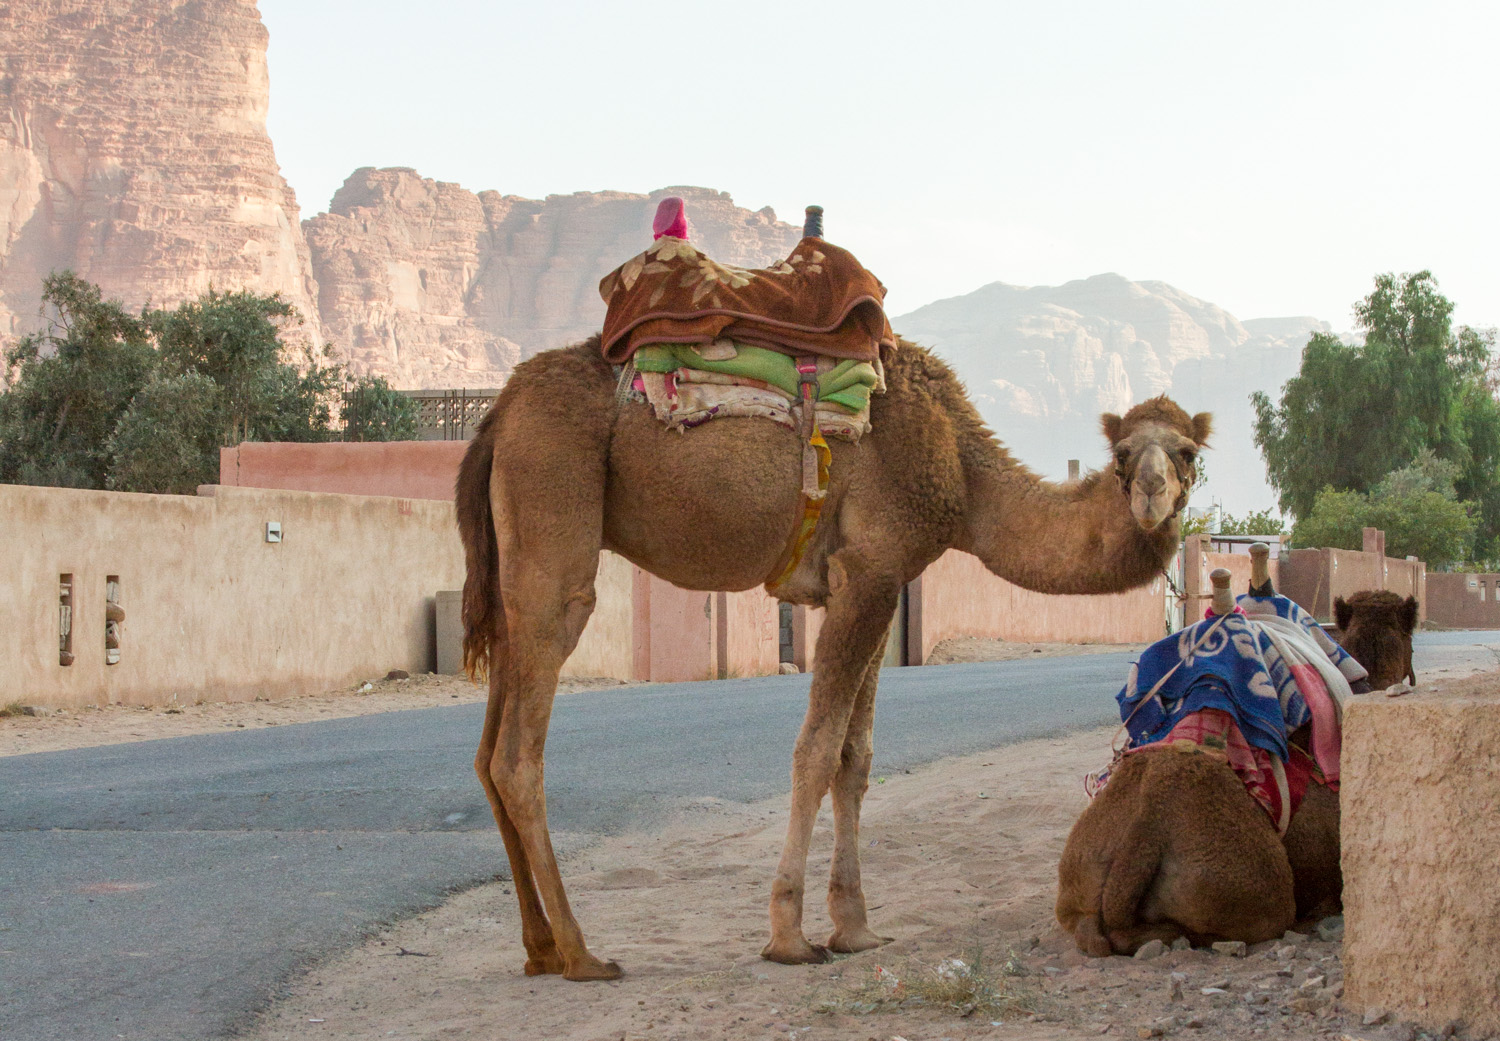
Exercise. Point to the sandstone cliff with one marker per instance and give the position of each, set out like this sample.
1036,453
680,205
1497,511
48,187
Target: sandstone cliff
133,149
1042,362
431,285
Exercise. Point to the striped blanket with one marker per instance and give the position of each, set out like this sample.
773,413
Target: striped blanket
1239,685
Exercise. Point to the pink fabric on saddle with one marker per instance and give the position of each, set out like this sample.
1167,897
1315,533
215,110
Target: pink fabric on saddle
1327,737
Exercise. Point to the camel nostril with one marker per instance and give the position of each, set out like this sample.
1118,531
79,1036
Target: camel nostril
1151,483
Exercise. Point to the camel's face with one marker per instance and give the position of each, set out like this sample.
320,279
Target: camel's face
1156,466
1376,628
1156,448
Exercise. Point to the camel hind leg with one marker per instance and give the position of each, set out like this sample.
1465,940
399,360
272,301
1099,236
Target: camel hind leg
536,932
546,498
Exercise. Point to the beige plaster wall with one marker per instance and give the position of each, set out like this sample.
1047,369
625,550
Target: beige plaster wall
604,649
960,597
213,611
1421,800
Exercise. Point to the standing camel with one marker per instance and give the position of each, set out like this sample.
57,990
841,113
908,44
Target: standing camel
559,469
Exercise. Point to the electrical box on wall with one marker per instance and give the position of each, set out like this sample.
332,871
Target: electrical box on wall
273,531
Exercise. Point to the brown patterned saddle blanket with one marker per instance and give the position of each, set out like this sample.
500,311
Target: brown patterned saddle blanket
818,301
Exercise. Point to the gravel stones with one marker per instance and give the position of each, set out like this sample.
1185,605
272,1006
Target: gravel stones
1331,930
1149,950
1230,948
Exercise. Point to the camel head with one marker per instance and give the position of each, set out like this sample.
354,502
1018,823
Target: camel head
1376,627
1156,446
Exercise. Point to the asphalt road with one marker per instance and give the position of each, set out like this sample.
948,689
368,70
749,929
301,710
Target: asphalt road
168,889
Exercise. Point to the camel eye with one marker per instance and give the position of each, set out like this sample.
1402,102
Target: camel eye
1188,455
1122,456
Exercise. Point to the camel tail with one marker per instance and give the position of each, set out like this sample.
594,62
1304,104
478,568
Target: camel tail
482,614
1132,869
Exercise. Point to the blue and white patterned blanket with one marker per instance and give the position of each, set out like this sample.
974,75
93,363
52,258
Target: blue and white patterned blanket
1239,664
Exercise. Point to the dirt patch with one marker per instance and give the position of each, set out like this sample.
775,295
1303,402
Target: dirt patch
960,868
965,649
51,730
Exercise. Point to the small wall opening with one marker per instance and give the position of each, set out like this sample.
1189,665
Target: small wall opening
114,615
65,619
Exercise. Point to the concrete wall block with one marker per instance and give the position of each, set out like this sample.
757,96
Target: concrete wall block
1421,845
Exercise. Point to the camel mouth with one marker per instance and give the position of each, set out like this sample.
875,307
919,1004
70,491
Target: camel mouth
1151,511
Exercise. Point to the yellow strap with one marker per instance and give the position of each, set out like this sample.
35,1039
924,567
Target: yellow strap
816,458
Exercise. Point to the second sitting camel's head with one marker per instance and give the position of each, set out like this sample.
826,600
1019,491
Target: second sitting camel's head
1156,447
1375,625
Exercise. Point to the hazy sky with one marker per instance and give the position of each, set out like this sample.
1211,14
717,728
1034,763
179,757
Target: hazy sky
1268,157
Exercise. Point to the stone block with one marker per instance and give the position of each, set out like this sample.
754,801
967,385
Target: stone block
450,632
1421,844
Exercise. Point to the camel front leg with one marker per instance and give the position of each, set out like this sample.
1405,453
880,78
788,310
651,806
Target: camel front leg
862,598
846,897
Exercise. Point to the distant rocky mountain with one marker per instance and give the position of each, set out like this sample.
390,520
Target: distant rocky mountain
133,149
1042,363
431,285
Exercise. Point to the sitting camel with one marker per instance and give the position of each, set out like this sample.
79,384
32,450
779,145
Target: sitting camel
561,468
1175,846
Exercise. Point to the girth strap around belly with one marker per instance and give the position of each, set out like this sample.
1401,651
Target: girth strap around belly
815,460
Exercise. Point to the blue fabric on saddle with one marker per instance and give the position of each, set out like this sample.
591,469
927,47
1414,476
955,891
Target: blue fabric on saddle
1237,668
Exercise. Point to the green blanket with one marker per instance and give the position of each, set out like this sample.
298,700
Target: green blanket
847,384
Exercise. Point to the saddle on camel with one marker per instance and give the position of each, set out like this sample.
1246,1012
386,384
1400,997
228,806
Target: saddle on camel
797,343
1218,820
733,428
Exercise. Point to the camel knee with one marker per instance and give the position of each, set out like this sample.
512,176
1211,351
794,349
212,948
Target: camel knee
519,784
814,769
577,610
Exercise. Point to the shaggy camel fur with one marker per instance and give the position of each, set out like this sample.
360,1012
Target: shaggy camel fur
1376,626
559,470
1140,864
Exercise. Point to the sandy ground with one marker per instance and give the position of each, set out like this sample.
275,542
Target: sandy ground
960,863
52,731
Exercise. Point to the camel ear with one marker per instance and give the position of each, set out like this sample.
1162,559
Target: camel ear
1203,425
1342,614
1112,425
1409,615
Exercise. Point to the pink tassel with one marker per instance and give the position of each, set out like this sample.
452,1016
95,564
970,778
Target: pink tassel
671,219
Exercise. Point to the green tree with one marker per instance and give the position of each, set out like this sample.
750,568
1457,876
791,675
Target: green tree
168,439
1354,414
1261,522
106,399
235,340
373,411
1418,522
69,385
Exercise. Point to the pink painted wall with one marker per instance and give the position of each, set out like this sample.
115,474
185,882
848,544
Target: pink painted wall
752,632
1316,577
405,469
1464,601
960,597
677,634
